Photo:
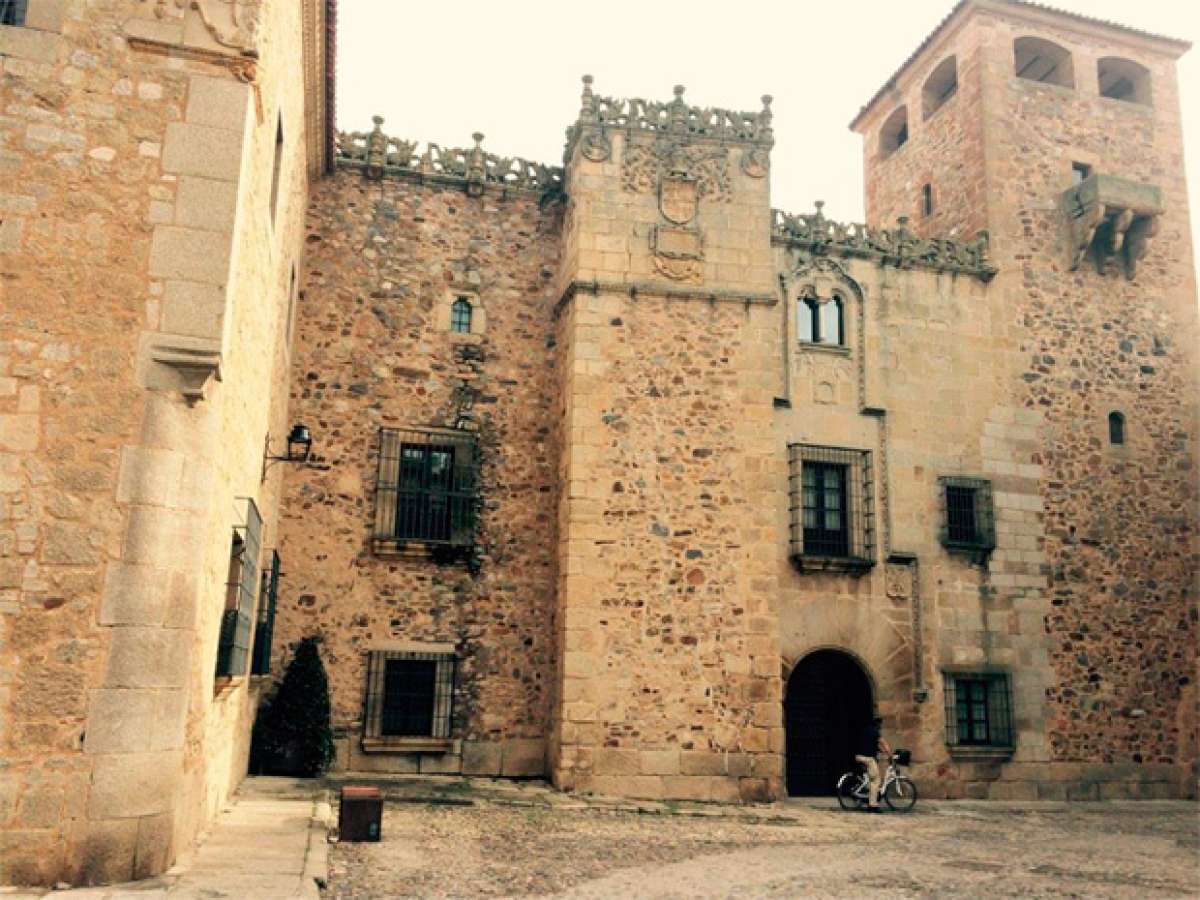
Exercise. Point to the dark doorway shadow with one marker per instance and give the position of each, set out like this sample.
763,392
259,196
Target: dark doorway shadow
827,705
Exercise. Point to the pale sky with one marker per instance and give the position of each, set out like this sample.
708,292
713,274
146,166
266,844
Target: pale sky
439,71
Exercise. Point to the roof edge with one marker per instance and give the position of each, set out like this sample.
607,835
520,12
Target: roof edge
964,7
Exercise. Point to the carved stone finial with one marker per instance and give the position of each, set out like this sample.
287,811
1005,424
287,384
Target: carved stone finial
477,167
766,101
376,150
819,204
902,221
679,89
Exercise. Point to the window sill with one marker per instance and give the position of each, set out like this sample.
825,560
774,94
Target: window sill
840,564
981,753
405,549
835,349
407,745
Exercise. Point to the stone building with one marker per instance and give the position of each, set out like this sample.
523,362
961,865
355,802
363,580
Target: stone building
155,157
620,477
631,482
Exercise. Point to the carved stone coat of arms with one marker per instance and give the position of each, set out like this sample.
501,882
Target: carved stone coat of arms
678,198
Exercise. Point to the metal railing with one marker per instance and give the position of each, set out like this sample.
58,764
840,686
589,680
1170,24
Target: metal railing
426,487
260,663
233,647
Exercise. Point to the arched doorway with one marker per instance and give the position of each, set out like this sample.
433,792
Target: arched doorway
827,705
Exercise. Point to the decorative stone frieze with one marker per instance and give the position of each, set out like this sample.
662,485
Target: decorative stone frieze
1112,217
899,247
673,117
378,154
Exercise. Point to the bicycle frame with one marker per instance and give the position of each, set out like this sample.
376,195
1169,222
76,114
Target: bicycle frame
863,789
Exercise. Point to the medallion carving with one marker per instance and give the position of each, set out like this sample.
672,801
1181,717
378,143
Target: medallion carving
756,162
596,146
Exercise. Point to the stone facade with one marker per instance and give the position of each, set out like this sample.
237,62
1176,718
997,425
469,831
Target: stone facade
1117,523
672,387
153,209
638,484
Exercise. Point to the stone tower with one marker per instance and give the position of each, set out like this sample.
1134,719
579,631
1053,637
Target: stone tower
668,660
1060,136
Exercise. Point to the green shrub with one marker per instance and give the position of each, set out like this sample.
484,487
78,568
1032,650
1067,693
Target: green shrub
292,734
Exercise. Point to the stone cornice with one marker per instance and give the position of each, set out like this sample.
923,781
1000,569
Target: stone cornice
377,154
896,247
672,118
636,289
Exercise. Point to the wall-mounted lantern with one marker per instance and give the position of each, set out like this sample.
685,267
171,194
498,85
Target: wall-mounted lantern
299,448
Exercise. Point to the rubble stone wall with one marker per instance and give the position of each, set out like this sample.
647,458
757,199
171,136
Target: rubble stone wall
386,258
1116,540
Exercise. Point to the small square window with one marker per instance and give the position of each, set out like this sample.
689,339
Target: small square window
12,12
968,521
409,695
978,710
1080,172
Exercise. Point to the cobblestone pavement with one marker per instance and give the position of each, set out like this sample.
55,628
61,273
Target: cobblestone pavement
947,849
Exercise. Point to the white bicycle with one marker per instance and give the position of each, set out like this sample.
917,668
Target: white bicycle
898,791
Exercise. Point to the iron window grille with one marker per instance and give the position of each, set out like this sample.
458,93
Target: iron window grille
410,694
426,488
978,710
233,646
968,517
263,632
832,510
460,316
12,12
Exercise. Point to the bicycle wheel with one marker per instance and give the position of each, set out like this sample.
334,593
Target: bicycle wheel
901,795
845,791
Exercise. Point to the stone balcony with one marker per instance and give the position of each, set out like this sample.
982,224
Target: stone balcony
1111,219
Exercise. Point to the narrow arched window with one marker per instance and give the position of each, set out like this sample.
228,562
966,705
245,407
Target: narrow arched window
460,316
807,320
832,326
1116,428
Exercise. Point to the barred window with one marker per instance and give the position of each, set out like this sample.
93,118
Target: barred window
968,519
426,487
233,646
978,710
832,507
264,630
410,694
460,316
12,12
